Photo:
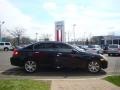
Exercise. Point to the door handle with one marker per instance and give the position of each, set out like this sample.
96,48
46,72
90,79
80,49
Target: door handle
58,54
36,52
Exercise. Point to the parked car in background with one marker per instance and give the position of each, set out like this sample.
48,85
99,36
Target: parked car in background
113,49
83,47
56,55
94,49
6,46
80,49
105,49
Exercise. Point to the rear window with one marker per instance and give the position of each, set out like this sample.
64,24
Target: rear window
113,46
30,47
1,43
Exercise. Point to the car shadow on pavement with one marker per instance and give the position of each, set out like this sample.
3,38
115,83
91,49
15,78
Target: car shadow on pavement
51,72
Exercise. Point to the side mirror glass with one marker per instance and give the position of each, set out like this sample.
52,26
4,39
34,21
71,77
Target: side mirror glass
74,51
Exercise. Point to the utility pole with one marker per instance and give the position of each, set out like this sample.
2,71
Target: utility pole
84,38
74,32
36,36
1,23
68,36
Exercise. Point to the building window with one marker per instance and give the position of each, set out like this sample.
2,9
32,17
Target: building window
115,41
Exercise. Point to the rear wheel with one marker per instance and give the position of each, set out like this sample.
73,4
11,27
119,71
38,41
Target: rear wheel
6,49
30,66
94,66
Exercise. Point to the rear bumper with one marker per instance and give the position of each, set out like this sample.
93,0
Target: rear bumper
104,64
113,52
16,61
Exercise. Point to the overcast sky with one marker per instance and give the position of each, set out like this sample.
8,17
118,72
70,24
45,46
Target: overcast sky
95,17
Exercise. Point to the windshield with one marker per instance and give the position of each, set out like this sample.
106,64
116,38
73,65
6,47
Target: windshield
113,46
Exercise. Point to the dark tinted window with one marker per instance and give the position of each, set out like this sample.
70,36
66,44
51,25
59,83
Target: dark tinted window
63,46
7,43
44,46
1,43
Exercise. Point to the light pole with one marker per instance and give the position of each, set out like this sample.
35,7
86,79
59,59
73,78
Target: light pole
74,32
1,29
36,36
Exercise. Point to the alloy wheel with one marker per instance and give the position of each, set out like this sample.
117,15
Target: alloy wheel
94,66
30,66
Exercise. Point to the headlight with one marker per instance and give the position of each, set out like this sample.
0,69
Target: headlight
102,59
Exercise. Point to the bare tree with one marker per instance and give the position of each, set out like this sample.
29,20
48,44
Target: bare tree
17,33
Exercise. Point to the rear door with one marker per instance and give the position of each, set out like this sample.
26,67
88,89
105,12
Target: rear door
45,53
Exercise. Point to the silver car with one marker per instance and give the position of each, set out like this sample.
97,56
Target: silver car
113,49
94,49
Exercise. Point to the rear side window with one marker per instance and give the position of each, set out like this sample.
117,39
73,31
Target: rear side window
1,44
113,46
44,46
7,43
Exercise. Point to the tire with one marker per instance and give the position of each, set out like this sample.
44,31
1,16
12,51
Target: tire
6,49
30,66
109,54
94,66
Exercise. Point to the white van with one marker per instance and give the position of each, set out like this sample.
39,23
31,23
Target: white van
5,46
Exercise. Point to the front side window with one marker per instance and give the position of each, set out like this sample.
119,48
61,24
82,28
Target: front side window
63,46
7,43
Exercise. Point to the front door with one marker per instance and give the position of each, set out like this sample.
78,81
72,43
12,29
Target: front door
64,55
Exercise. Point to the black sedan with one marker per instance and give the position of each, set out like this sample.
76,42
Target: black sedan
56,55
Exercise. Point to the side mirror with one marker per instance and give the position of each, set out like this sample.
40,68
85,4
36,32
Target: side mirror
74,51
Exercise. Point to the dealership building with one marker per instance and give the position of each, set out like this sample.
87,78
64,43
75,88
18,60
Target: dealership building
111,39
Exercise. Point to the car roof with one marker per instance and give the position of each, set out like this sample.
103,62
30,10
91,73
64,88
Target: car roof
48,42
4,42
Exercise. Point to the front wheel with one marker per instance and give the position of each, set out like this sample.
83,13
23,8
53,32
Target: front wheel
94,66
30,66
109,54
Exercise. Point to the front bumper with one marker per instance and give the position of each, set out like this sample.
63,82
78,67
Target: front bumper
113,52
104,64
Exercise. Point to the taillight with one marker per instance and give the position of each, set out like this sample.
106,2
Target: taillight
16,53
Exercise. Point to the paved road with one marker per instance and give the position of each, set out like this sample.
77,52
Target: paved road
9,71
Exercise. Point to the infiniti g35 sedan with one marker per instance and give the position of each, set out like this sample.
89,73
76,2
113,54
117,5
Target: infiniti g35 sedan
56,55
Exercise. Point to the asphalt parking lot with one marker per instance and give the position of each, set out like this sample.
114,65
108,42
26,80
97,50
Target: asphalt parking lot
9,71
